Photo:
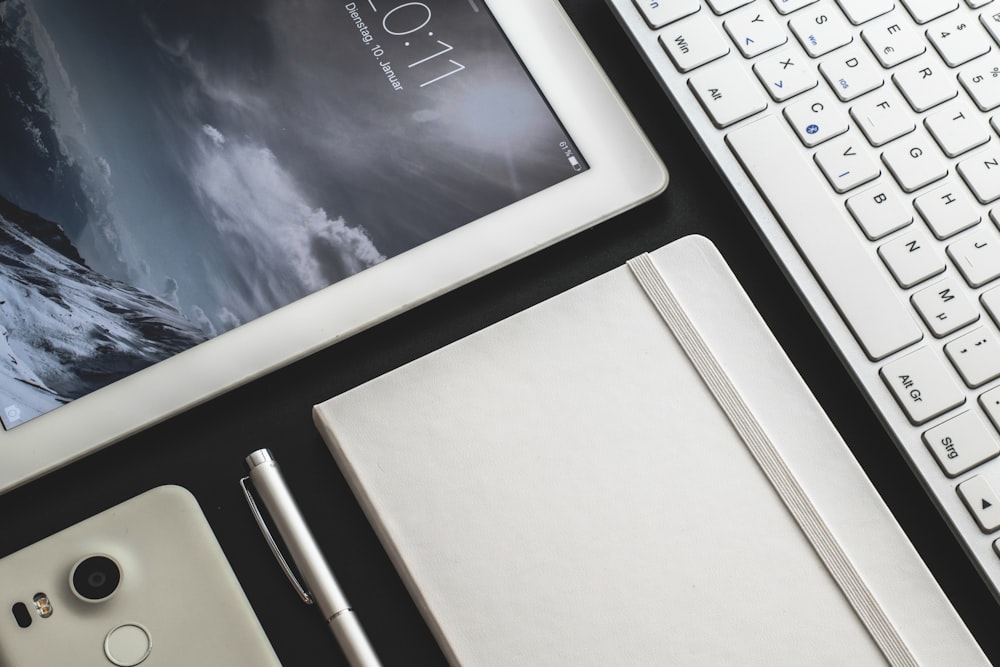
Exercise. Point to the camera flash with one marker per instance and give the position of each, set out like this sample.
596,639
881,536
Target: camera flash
42,605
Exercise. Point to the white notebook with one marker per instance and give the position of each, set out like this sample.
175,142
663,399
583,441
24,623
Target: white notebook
632,473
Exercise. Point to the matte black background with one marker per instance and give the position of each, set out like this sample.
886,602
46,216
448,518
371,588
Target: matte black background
204,448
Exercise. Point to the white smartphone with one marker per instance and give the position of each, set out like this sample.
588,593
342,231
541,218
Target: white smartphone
143,583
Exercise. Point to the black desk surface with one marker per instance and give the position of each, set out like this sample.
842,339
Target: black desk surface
203,449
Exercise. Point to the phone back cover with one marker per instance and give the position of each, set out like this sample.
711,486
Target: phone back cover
176,583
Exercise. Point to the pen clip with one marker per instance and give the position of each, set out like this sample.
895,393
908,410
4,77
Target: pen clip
303,593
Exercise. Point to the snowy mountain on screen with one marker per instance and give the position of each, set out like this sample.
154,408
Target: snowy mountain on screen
66,330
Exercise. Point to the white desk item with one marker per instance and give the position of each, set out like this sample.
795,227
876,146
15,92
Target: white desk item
194,195
318,586
142,583
632,472
872,176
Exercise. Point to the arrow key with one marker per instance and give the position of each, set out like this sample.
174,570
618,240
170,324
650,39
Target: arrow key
982,501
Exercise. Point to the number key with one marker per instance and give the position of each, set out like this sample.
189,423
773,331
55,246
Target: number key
958,42
924,11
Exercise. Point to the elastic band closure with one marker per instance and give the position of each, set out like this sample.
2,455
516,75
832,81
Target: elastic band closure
774,467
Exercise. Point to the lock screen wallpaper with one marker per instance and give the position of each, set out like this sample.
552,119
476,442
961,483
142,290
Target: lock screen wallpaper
172,170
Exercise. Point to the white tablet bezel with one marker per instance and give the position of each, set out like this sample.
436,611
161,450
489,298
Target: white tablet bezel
624,170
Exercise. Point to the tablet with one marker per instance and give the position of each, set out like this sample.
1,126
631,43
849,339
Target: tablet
193,194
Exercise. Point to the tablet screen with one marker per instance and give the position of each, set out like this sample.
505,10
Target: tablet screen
172,170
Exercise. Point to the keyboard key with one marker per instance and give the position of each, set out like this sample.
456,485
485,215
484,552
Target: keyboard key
883,116
755,31
981,80
727,92
724,6
990,402
659,13
961,443
982,174
944,307
785,74
693,42
925,83
820,30
957,128
977,255
922,385
991,302
958,41
879,211
912,257
952,111
893,41
789,6
851,73
948,209
862,294
976,356
928,10
846,163
862,11
992,24
915,162
982,501
816,117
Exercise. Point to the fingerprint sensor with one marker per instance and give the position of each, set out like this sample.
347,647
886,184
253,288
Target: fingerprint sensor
127,645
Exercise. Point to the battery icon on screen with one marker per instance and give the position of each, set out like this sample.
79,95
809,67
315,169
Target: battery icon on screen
574,163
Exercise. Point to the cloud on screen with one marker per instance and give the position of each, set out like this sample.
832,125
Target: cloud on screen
284,247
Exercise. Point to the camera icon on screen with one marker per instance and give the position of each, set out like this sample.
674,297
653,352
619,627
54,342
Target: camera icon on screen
12,413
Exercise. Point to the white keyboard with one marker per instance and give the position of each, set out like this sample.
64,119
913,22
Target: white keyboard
863,138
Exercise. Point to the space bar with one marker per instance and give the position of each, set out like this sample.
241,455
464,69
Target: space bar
816,224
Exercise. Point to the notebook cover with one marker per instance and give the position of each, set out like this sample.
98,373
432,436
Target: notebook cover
562,488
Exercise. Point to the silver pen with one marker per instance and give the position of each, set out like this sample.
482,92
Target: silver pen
319,584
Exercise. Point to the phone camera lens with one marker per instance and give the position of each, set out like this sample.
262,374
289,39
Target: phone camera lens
95,578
